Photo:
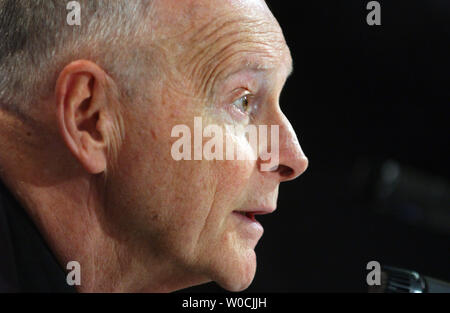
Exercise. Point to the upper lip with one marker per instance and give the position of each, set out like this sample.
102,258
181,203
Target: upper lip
257,211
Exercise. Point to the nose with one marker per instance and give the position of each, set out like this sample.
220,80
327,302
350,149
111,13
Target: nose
292,162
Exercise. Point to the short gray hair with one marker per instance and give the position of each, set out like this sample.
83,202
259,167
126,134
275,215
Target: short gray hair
36,42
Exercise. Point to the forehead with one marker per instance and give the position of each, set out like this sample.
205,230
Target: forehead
219,36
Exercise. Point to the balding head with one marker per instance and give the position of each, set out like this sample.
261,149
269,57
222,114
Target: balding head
155,222
37,42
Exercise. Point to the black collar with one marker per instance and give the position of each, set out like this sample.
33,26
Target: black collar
26,262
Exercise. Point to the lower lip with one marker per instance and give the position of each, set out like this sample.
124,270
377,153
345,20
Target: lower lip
251,227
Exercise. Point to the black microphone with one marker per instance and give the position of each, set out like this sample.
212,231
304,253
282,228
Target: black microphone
397,280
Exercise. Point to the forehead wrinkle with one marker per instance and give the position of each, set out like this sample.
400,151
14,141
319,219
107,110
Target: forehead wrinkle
206,46
247,40
211,75
210,30
203,34
260,56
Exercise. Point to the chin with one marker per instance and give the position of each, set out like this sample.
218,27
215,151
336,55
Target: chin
238,274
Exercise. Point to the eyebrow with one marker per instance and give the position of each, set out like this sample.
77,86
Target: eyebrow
290,68
258,66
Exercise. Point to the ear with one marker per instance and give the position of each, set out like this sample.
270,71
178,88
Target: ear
82,113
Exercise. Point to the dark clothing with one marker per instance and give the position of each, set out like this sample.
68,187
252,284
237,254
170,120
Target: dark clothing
26,262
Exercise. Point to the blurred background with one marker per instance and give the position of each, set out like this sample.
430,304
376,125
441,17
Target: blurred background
371,107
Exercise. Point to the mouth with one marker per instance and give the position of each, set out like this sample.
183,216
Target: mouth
248,224
249,215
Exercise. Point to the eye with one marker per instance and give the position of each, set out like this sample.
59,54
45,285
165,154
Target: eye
243,104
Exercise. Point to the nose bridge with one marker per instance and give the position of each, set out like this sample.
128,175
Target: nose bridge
289,143
291,155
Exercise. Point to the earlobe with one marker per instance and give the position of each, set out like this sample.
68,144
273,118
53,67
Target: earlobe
82,112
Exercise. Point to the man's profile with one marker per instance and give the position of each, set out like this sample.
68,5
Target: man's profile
86,117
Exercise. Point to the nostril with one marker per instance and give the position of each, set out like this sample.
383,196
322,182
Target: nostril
285,171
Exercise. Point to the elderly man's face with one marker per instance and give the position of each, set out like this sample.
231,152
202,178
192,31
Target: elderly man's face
184,212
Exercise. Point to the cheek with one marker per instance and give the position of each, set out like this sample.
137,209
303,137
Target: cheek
233,180
203,196
234,172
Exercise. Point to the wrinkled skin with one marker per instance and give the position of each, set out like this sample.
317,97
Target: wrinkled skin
182,211
145,222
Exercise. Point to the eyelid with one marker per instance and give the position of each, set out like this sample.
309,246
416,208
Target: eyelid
240,92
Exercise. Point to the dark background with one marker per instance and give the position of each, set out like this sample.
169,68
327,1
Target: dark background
361,96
